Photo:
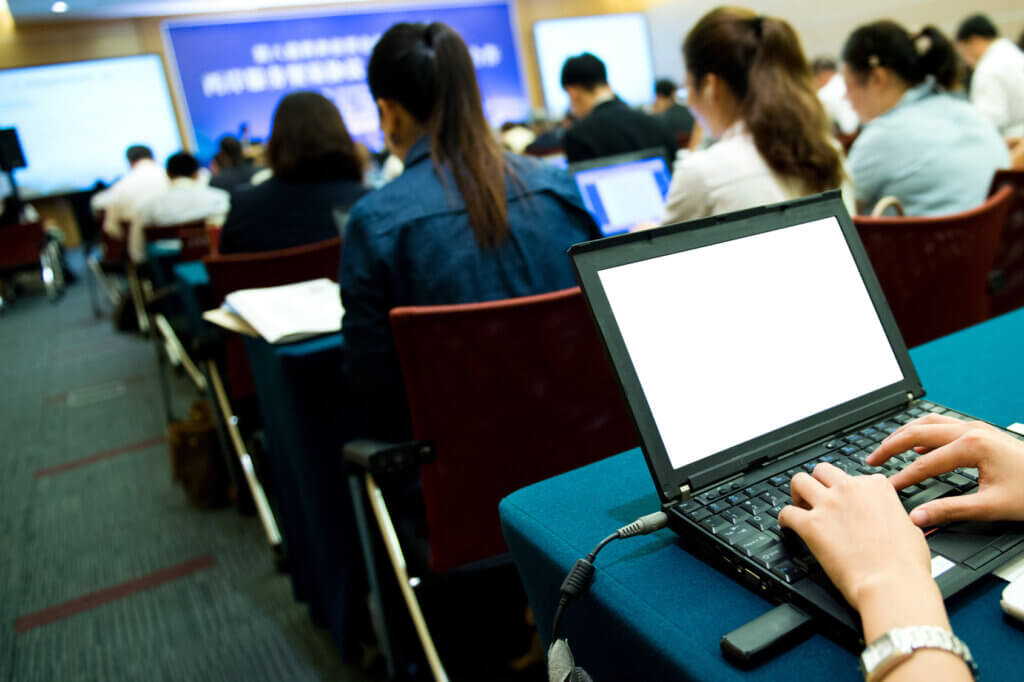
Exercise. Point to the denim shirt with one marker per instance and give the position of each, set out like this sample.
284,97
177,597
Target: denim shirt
934,152
410,244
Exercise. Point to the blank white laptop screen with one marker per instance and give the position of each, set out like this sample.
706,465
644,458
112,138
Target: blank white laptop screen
734,340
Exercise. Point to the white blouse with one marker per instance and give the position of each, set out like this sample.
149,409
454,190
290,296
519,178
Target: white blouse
730,175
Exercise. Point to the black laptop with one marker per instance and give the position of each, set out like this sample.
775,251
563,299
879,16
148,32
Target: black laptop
751,346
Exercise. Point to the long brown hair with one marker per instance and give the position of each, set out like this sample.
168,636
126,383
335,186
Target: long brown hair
310,143
428,70
761,61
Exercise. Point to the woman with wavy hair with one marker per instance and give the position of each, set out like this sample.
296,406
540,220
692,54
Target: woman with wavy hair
749,84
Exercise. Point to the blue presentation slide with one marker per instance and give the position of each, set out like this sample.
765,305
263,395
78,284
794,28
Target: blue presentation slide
233,72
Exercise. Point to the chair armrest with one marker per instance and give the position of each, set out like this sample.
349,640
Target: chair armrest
379,457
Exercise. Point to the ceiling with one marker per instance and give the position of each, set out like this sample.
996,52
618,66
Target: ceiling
39,10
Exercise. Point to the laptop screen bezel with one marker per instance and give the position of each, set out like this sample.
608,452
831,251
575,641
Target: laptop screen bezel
592,257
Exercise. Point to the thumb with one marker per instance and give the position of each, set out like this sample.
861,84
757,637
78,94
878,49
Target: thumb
947,510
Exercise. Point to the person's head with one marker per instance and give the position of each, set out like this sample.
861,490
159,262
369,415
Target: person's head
664,94
229,152
138,152
309,141
423,80
743,66
585,80
182,165
975,34
823,68
881,61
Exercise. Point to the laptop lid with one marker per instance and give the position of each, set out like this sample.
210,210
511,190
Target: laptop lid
744,336
624,191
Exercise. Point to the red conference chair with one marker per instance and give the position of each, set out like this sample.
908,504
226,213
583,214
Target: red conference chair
24,247
501,395
934,271
1007,282
229,273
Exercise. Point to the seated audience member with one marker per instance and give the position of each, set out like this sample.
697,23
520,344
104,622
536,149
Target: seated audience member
876,554
464,222
607,126
749,86
232,169
935,153
832,93
317,177
1016,145
121,202
185,200
676,116
997,86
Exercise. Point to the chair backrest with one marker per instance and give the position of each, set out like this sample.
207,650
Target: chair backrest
1008,280
195,243
20,244
155,233
231,272
511,392
934,271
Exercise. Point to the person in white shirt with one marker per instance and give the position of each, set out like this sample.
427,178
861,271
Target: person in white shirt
832,93
997,86
749,85
184,200
121,202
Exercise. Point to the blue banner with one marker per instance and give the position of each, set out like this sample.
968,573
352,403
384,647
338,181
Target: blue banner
233,72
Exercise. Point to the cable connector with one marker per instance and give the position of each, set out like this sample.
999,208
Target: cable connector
578,578
644,525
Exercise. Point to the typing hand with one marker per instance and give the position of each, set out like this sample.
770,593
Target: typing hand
859,532
946,444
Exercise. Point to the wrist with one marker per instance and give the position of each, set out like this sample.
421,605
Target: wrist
885,604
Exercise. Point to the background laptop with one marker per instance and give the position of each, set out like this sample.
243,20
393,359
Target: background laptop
624,191
749,347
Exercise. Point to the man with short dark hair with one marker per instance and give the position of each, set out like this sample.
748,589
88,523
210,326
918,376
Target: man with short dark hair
231,169
120,203
607,125
997,86
675,115
185,200
832,93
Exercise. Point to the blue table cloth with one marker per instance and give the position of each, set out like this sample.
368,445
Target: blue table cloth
655,612
300,394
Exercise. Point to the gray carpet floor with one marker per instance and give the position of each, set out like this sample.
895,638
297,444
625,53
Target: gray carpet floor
71,387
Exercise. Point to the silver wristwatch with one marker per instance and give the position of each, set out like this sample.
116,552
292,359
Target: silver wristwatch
899,644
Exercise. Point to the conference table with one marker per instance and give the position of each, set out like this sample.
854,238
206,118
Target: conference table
655,612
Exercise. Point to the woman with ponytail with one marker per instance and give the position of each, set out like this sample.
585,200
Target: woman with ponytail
464,222
750,86
932,151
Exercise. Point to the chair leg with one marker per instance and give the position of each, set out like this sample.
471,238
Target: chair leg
135,287
266,514
113,295
394,550
177,351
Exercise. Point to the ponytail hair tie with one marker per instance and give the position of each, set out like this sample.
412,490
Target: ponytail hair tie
757,23
874,62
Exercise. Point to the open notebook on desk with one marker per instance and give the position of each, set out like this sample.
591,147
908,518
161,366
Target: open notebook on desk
282,314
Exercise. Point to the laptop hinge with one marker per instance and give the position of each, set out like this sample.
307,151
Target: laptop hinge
685,493
910,398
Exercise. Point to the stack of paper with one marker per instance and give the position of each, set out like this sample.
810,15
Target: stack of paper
282,314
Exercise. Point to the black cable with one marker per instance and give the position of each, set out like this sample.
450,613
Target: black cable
583,570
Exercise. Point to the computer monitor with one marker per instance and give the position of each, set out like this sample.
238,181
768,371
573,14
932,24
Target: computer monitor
622,192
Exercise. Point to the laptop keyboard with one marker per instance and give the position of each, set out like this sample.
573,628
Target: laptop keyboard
745,516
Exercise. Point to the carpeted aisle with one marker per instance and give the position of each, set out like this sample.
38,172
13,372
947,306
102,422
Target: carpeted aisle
106,572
